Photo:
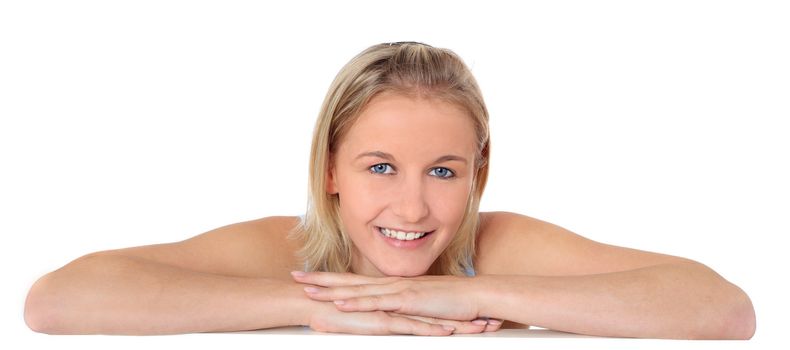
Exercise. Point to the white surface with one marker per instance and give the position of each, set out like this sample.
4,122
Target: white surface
657,126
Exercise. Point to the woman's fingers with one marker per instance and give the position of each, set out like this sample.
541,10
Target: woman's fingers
493,325
384,302
347,292
327,318
335,279
406,303
461,327
479,325
408,325
328,279
354,293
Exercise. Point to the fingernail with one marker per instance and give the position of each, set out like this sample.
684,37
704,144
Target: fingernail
494,322
311,289
297,273
339,302
480,322
448,328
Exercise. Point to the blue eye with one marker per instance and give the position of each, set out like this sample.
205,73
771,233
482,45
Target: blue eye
443,173
380,168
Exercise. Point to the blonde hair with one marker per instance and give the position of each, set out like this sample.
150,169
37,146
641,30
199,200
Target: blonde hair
409,68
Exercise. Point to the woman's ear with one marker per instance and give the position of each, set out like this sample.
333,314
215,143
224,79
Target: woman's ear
331,185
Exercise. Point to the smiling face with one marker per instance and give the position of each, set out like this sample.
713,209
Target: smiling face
403,174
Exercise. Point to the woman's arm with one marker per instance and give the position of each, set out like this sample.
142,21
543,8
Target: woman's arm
571,283
675,300
113,294
233,278
678,301
536,273
230,278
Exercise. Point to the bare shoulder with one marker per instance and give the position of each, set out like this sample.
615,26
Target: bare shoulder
256,248
510,243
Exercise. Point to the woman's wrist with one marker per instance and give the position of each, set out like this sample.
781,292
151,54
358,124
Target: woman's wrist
491,294
300,305
280,304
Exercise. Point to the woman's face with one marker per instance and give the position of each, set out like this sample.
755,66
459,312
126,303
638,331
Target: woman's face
403,173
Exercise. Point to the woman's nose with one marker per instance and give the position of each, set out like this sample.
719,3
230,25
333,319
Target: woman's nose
411,205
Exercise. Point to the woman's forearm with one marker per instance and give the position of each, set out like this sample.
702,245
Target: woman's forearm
684,301
127,295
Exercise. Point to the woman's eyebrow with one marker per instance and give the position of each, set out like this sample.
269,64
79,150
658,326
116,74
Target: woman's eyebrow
449,157
379,154
391,158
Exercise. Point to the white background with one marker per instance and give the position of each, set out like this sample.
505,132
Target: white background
657,126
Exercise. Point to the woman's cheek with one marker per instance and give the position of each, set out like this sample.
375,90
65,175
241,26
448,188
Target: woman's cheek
447,205
367,194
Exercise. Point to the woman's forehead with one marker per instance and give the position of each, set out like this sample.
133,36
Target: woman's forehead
397,122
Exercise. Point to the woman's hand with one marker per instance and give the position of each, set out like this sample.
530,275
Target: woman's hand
327,318
434,297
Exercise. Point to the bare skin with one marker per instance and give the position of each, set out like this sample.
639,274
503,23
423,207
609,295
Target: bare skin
233,278
197,284
406,164
533,272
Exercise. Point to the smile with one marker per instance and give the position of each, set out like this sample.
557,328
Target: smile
402,236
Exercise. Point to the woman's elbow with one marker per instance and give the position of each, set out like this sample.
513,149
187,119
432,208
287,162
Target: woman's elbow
742,322
47,303
39,313
726,311
731,317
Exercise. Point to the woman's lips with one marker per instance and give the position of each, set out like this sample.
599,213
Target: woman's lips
402,235
393,237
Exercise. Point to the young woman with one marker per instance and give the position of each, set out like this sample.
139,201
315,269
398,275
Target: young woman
392,241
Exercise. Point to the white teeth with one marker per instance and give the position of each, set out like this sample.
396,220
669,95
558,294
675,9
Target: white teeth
400,235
